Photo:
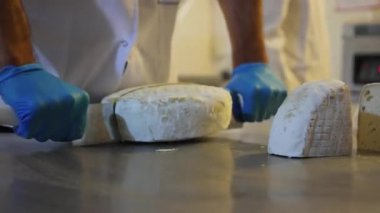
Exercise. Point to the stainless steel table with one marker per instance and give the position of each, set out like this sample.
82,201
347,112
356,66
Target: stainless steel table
218,174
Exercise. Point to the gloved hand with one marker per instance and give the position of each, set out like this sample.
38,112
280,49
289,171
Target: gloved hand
47,107
256,92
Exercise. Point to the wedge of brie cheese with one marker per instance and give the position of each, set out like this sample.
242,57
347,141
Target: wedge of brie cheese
369,118
314,121
169,112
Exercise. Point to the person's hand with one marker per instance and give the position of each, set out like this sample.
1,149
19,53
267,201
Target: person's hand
256,92
47,107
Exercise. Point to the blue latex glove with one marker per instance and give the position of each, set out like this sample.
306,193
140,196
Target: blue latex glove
256,92
47,107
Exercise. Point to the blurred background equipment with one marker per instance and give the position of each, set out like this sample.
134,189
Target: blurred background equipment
361,55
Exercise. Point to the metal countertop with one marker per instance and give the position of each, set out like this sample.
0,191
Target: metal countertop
218,174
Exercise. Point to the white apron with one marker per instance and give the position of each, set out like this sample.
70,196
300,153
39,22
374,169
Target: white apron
90,42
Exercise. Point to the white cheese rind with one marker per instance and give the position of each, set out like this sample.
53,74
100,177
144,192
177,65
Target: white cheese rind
369,118
172,112
315,120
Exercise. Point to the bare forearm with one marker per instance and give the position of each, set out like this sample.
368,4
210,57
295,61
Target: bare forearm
15,43
245,25
3,56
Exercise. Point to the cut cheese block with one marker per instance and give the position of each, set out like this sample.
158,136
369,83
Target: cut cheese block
369,118
314,121
169,112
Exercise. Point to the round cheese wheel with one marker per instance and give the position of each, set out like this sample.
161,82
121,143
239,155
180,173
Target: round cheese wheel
172,112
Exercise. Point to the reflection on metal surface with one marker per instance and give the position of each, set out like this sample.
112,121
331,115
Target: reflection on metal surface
213,175
166,150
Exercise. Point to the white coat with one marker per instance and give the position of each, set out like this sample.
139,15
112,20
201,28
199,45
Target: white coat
94,43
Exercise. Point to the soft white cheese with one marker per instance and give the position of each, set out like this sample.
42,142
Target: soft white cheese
171,112
314,120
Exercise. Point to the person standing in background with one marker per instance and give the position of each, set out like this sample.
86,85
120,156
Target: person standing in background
297,41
